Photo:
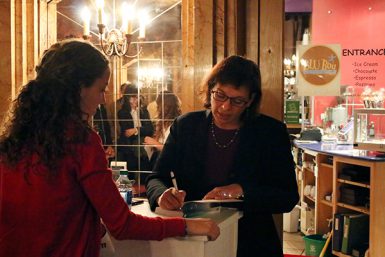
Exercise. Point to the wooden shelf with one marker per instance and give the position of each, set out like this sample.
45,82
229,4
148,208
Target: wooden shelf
327,182
355,208
359,184
310,198
326,165
339,254
290,125
327,203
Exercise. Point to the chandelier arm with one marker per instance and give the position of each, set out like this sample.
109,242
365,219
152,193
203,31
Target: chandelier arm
118,52
102,44
135,55
110,51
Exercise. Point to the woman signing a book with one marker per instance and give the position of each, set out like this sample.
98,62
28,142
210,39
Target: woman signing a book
230,151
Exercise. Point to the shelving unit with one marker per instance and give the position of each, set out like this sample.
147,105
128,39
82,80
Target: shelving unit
307,179
324,208
325,176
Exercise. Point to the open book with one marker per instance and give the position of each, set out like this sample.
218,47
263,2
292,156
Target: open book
201,208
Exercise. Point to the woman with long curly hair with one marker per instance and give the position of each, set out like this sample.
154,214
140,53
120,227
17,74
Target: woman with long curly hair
55,186
168,108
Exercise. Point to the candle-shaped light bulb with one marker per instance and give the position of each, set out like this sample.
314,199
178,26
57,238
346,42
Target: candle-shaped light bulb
127,17
143,19
86,16
100,6
305,37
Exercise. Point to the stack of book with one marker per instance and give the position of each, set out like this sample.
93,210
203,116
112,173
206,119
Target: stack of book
350,231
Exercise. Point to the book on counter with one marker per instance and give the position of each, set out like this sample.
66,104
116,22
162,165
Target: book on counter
201,208
355,231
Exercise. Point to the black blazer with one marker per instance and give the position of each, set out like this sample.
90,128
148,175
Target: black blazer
126,122
263,166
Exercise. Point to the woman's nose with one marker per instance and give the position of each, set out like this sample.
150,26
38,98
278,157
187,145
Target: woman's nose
226,104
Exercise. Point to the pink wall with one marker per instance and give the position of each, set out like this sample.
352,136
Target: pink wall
354,24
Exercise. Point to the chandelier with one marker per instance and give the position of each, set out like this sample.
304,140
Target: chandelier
115,41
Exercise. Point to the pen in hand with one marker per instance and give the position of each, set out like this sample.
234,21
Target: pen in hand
172,198
173,180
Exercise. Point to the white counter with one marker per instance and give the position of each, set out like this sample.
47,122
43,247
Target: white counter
194,246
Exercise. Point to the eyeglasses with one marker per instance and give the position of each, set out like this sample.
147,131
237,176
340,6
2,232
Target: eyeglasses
234,101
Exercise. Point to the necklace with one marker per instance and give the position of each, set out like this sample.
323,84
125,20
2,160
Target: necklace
223,146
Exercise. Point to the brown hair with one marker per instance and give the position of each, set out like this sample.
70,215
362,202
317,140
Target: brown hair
239,72
168,108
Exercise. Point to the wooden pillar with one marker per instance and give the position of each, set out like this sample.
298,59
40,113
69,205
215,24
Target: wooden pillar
32,37
7,60
20,45
197,49
271,56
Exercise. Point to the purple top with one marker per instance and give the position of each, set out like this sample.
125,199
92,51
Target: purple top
220,160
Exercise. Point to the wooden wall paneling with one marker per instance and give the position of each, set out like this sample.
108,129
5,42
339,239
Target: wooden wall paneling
240,33
252,30
203,44
271,54
20,44
28,27
43,27
197,49
187,89
32,37
47,24
219,30
231,23
7,59
271,17
377,214
52,23
235,30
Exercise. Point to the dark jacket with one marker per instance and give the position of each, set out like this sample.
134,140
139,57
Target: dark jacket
126,122
263,166
130,149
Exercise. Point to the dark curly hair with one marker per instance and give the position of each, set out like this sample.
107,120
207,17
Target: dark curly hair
46,116
239,72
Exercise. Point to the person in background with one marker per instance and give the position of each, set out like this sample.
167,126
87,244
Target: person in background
135,125
54,181
119,101
102,127
168,108
152,109
230,151
112,108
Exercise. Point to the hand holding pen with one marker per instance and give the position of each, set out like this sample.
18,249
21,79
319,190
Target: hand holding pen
172,198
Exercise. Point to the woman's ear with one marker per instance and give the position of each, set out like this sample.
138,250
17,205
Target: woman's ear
251,100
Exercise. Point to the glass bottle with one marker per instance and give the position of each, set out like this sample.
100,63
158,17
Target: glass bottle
124,185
